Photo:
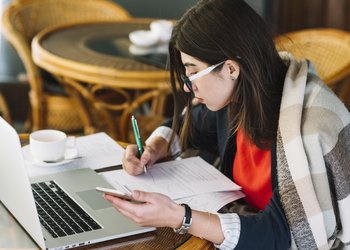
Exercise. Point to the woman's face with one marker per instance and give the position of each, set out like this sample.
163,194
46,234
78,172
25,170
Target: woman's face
213,89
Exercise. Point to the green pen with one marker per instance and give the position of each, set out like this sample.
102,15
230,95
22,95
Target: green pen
138,139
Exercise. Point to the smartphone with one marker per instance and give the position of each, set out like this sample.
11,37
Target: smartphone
117,193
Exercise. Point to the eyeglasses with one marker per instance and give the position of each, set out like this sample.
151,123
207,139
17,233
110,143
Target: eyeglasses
188,80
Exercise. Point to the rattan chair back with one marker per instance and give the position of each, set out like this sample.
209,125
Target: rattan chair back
22,20
109,109
328,49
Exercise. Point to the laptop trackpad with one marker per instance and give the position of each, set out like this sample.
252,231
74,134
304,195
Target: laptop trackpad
94,199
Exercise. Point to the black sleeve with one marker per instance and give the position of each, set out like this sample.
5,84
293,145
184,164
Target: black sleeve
266,230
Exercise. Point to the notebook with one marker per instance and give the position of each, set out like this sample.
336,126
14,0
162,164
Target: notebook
61,210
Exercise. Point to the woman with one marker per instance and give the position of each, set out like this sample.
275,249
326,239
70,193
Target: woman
280,133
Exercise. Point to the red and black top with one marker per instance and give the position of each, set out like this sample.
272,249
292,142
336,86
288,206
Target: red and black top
252,171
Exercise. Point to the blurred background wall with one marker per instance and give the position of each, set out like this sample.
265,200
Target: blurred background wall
292,15
170,8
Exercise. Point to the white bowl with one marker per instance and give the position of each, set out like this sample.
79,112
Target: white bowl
163,29
143,38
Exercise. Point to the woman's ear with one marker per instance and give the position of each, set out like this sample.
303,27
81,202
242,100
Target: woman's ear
233,68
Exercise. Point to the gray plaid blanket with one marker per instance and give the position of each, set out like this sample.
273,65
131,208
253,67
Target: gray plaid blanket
313,159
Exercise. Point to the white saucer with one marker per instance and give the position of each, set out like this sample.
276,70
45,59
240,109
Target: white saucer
31,160
141,51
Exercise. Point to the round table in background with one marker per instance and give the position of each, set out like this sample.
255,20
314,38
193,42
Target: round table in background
87,57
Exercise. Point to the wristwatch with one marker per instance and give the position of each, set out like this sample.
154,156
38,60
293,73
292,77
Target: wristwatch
187,221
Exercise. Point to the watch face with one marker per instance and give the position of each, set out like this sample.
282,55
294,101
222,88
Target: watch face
181,230
184,228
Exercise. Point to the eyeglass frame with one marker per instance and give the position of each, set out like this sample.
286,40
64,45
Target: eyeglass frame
188,80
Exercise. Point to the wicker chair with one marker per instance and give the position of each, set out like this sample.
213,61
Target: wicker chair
328,49
4,110
22,20
110,109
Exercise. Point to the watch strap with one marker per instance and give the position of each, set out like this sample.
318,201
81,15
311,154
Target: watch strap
188,213
187,220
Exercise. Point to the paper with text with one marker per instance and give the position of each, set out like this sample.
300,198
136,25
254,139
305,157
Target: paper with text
176,179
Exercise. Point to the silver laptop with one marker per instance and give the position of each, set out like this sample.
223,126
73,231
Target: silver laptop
58,211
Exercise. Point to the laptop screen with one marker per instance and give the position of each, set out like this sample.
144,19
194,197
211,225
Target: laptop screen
15,190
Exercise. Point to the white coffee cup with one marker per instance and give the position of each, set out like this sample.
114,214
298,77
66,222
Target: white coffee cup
48,145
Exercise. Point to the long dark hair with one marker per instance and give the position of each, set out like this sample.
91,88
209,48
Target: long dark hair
216,30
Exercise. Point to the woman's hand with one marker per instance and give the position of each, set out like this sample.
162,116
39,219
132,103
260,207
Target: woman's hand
132,164
155,150
157,210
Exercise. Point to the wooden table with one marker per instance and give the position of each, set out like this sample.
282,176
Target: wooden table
13,236
91,57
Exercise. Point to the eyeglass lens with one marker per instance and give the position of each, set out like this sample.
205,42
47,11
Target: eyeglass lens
187,82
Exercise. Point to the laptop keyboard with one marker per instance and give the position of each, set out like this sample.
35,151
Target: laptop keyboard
58,213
